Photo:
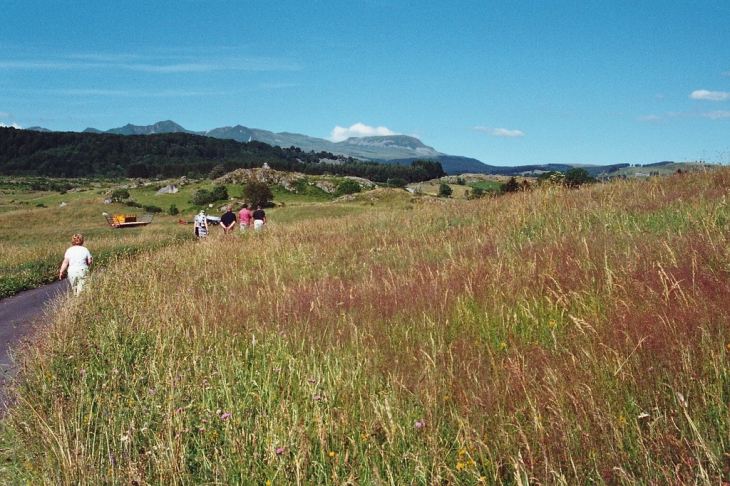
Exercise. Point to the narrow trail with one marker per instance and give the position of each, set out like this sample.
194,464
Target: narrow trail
19,315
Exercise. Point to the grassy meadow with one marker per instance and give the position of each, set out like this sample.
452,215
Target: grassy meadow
546,337
35,230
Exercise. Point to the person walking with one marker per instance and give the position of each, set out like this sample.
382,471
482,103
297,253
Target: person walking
77,260
228,221
259,218
244,217
201,225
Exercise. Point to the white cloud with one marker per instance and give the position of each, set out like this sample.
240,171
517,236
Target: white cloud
654,119
6,116
164,65
358,130
662,119
14,125
703,94
500,132
716,115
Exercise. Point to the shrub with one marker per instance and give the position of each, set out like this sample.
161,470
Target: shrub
300,185
551,177
173,210
219,193
511,186
397,182
119,194
153,209
476,193
445,190
204,196
348,186
258,194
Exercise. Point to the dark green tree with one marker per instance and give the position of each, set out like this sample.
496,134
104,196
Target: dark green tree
550,177
202,196
135,171
257,193
218,171
511,186
219,193
577,176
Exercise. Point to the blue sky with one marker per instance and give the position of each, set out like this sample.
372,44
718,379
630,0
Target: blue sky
508,83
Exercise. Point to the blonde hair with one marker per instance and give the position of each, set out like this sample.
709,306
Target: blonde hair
77,240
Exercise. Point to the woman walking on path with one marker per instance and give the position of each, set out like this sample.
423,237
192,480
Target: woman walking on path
77,260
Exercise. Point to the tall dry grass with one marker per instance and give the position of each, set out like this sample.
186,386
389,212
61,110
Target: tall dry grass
556,336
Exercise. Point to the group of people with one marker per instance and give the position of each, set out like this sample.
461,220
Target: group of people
77,258
246,219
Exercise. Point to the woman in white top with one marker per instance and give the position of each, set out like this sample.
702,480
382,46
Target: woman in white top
77,259
201,225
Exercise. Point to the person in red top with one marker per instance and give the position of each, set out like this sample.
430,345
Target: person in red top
244,217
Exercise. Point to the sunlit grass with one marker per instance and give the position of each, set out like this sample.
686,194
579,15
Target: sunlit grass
553,336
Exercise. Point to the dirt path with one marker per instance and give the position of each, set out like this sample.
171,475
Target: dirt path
18,316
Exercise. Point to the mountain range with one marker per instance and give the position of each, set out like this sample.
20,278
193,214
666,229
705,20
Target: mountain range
386,149
389,149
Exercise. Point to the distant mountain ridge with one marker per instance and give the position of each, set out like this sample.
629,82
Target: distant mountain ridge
385,149
389,149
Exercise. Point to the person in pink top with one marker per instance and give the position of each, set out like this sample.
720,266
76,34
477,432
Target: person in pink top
244,217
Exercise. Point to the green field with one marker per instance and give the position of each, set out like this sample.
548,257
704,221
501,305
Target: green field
551,336
486,185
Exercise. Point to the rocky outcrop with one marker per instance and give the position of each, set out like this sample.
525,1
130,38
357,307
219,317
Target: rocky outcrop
171,189
269,176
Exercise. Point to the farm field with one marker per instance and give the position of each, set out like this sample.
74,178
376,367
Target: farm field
552,336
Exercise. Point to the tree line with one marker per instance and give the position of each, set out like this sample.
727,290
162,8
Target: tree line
97,155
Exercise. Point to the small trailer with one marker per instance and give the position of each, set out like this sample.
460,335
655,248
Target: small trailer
128,220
